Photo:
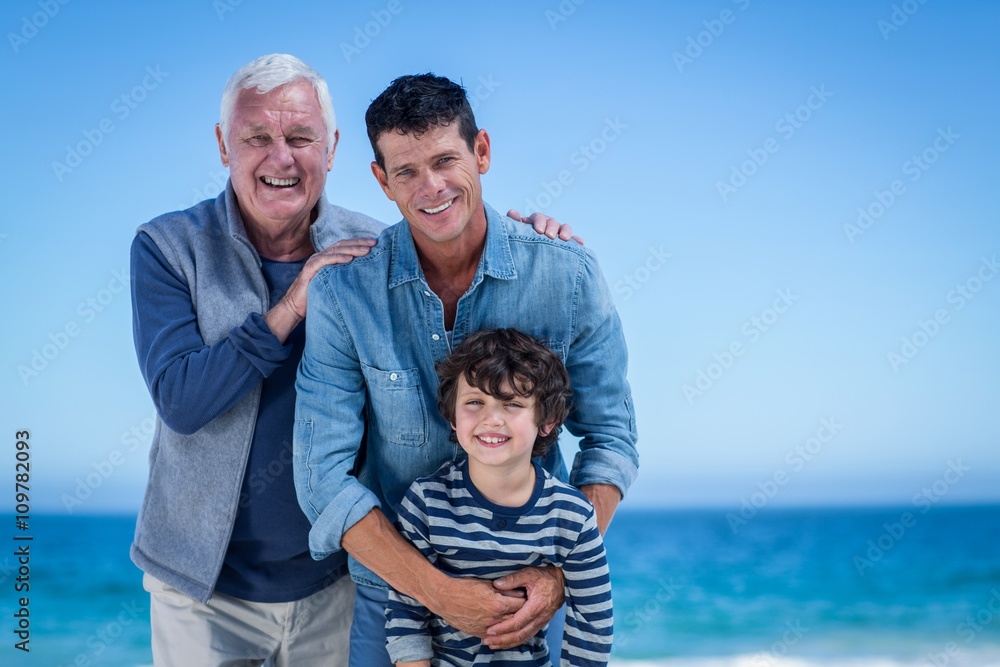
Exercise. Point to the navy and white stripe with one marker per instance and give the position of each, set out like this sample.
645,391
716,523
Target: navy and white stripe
466,535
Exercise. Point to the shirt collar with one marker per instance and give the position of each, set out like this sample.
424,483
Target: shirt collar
496,260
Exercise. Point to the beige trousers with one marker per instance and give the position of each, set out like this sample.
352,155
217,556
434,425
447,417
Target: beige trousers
227,632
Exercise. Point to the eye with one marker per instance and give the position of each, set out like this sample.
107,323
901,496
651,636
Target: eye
300,142
259,140
445,160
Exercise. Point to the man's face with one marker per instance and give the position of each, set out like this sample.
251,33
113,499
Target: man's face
277,154
434,180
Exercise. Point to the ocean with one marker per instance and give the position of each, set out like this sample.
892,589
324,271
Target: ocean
858,587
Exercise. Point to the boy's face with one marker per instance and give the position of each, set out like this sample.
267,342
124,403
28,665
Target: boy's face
494,432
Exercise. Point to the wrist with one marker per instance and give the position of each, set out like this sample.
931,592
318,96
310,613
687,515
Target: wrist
282,319
434,589
290,310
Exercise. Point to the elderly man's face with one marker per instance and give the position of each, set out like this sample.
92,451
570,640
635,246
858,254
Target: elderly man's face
277,154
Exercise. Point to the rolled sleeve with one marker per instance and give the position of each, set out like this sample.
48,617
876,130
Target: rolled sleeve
329,426
602,466
602,415
347,508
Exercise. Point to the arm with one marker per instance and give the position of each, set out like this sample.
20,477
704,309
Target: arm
287,313
589,623
602,415
191,383
408,638
605,499
469,605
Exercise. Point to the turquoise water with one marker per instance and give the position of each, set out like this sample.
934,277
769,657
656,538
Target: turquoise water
788,588
807,587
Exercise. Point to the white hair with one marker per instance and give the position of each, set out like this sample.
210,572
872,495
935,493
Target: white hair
267,73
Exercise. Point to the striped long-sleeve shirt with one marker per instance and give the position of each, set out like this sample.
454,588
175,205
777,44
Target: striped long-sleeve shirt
466,535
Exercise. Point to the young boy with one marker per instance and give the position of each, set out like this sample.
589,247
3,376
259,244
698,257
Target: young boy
495,511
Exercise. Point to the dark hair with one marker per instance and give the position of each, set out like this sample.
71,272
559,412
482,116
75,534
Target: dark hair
493,360
413,103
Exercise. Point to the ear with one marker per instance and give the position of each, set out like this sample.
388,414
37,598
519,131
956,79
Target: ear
223,153
481,151
545,429
382,179
333,147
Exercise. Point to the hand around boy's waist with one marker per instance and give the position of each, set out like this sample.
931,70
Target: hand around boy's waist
494,611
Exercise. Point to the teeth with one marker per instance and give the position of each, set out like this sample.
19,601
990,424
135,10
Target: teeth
439,208
280,182
492,441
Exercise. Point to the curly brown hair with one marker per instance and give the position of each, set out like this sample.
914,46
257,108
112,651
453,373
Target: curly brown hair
492,360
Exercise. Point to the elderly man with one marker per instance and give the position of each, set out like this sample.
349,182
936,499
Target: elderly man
219,301
367,383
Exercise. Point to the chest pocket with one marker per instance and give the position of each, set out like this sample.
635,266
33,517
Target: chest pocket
397,405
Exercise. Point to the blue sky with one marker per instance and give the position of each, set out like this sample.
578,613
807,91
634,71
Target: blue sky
714,155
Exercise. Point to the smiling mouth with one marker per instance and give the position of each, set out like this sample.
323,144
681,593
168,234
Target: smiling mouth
442,207
279,182
491,441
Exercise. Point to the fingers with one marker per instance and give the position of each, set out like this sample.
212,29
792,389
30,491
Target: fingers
530,577
546,225
360,240
519,593
341,252
513,580
543,224
545,590
514,631
356,247
474,605
342,256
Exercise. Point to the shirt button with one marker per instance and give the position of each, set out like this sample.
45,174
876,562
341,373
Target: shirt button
393,376
426,293
502,523
436,337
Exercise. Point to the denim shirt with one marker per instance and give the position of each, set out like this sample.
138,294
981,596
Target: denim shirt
366,417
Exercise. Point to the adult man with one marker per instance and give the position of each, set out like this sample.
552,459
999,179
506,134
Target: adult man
378,325
219,300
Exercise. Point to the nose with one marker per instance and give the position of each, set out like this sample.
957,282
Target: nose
433,182
281,153
493,416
